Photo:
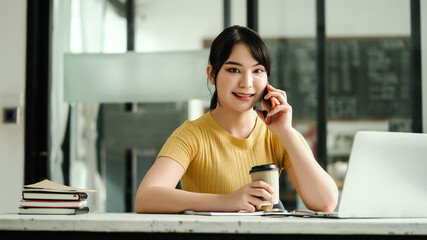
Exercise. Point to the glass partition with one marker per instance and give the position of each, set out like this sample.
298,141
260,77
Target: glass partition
368,64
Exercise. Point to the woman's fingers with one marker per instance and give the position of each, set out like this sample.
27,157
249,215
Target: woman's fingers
253,195
257,199
280,108
263,185
275,90
262,191
249,208
280,98
255,202
278,95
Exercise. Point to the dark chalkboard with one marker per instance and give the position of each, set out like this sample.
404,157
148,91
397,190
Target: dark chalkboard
366,77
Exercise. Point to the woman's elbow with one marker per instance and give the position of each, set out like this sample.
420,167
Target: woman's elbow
326,201
141,202
331,201
139,207
329,206
325,206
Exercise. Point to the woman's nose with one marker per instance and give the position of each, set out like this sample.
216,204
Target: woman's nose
246,81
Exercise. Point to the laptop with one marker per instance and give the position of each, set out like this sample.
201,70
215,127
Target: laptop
386,177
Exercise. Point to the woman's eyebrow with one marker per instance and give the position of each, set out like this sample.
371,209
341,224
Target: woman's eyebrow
233,63
239,64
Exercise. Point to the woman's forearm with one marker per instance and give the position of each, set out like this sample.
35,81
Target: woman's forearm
160,199
157,199
314,185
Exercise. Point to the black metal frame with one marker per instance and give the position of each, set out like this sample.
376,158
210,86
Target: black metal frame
322,90
130,23
252,14
416,70
38,78
131,154
227,13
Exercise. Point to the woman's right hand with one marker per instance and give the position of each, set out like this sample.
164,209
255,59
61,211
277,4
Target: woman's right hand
250,197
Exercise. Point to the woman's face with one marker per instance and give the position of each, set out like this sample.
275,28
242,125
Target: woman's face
241,80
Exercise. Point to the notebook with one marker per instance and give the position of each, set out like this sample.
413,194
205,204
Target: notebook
386,177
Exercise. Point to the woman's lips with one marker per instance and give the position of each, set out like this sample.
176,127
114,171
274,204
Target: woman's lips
243,96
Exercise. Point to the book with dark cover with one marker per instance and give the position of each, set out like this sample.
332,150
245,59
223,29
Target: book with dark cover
53,211
40,194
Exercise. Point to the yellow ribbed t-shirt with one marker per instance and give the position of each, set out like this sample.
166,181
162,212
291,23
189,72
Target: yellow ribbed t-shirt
217,162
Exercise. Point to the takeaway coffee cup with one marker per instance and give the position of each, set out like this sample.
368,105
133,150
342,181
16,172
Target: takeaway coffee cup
268,173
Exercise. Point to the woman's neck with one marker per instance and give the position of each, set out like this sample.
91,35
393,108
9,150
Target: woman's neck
238,124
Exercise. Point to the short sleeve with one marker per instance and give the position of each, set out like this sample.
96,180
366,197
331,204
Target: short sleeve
180,146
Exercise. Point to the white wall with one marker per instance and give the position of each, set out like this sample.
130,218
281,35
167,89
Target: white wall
287,18
295,18
13,14
165,25
368,18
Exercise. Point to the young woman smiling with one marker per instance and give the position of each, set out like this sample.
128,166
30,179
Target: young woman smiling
212,155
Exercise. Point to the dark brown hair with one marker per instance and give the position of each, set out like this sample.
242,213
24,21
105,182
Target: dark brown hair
223,45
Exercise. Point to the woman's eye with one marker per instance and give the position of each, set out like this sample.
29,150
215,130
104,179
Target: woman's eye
258,71
233,70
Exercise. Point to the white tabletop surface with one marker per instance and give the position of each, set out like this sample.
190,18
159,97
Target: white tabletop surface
166,223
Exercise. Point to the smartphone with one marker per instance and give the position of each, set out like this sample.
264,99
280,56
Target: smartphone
267,105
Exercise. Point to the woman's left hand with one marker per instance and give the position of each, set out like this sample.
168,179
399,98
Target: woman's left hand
281,115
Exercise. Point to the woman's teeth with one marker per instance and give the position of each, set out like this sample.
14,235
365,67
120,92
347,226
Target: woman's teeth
243,95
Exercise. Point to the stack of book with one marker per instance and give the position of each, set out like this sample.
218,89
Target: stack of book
47,197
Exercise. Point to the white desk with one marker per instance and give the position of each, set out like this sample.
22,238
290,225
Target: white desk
143,224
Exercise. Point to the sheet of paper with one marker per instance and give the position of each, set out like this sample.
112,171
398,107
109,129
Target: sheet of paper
259,213
240,213
47,184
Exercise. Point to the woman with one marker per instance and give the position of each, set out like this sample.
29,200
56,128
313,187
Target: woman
213,154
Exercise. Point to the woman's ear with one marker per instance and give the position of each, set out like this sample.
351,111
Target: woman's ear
211,76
